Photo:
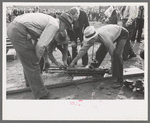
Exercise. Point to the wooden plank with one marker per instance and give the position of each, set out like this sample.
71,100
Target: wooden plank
129,72
11,54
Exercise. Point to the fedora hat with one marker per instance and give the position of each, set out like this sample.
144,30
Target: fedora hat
67,19
89,33
61,37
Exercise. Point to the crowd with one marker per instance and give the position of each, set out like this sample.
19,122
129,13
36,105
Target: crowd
13,12
37,35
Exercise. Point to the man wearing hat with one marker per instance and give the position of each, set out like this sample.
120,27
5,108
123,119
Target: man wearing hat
107,36
41,28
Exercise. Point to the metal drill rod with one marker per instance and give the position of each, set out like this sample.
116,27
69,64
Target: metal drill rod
79,71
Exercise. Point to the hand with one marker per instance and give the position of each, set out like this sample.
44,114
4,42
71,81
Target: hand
72,65
73,44
65,63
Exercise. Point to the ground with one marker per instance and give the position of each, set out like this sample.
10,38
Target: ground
92,90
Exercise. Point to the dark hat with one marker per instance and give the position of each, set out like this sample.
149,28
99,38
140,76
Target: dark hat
61,37
67,19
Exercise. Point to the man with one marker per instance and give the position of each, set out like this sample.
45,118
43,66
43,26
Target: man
107,36
42,28
129,13
139,25
111,15
79,24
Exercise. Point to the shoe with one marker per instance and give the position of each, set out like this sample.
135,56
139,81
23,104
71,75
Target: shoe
131,56
118,84
48,96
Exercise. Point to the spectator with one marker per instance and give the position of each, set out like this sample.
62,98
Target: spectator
79,24
111,15
139,25
129,13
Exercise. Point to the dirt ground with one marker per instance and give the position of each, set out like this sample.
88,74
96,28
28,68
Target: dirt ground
94,90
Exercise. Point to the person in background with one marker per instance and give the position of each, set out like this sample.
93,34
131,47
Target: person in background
111,15
80,22
128,14
106,35
41,28
139,24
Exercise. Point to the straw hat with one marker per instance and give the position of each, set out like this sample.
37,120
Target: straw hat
89,33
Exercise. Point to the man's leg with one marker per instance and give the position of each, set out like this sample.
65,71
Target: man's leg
128,48
85,59
74,49
100,54
25,50
141,24
118,61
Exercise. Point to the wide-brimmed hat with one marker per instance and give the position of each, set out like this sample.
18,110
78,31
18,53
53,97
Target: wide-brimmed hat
89,33
61,37
67,19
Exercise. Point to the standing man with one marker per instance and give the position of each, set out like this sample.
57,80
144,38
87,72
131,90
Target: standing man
111,15
80,22
129,13
41,28
107,36
139,24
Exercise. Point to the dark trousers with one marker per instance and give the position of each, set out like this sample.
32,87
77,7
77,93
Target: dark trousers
138,29
117,65
79,35
128,50
17,33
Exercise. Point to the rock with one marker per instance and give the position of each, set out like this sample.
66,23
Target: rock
121,97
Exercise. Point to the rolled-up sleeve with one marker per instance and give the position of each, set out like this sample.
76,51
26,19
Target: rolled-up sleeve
45,38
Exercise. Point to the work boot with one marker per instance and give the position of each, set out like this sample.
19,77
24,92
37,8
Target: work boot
118,84
48,96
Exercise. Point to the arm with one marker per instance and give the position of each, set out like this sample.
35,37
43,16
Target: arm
82,51
50,53
45,38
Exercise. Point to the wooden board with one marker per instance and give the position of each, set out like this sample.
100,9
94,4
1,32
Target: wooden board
128,72
11,54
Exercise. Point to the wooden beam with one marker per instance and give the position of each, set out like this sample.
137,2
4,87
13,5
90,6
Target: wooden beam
128,74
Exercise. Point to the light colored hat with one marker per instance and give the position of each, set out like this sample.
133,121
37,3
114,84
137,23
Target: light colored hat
89,33
61,37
